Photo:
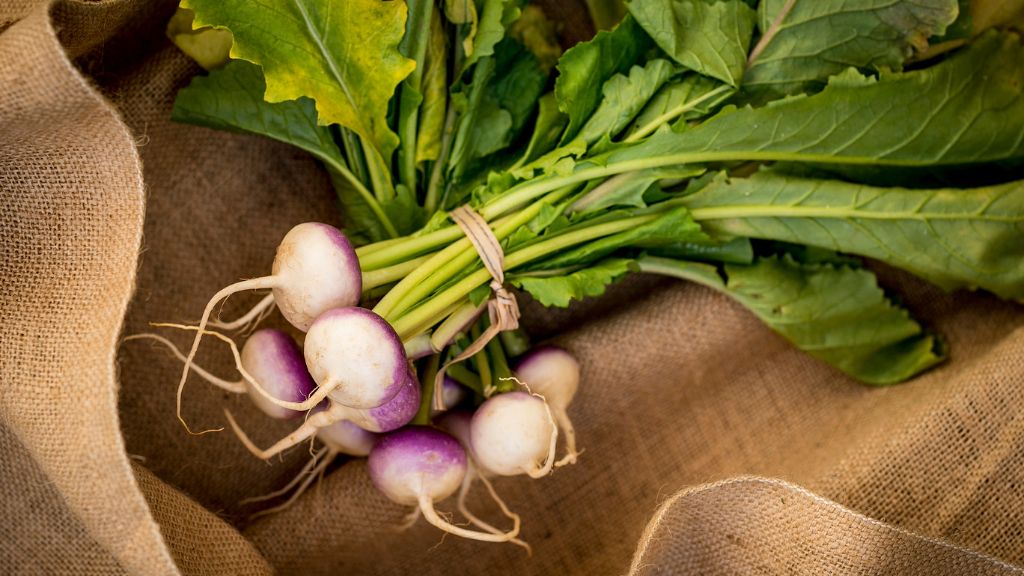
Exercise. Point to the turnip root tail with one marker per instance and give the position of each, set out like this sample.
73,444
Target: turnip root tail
252,284
236,387
294,481
303,432
409,521
249,319
426,506
552,446
464,510
570,438
314,398
313,475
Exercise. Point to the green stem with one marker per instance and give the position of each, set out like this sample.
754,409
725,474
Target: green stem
422,417
529,190
382,276
499,362
455,324
414,46
466,377
483,365
354,154
379,175
338,169
437,170
422,317
364,251
454,258
674,113
704,274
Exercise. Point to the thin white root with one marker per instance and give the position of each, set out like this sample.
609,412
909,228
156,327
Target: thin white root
427,507
408,521
314,475
307,429
252,284
315,398
508,513
288,487
464,510
552,446
236,387
253,316
570,438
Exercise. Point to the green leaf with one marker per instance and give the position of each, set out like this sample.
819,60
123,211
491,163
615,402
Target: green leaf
495,18
435,95
209,47
230,99
559,290
711,38
343,55
966,110
624,97
585,67
630,188
606,13
836,314
952,237
673,226
735,251
362,226
987,14
546,129
539,35
694,96
811,41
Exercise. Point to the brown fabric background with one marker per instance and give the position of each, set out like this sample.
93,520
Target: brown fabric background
111,217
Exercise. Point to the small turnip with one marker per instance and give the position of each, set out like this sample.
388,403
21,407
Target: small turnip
514,433
315,269
419,466
553,373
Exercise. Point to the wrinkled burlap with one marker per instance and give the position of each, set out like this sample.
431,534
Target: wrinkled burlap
105,202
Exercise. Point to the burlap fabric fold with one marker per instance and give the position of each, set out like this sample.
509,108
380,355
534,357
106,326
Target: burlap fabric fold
112,217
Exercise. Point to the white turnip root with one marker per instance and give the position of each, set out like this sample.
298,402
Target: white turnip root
553,373
418,466
356,357
514,433
315,270
271,358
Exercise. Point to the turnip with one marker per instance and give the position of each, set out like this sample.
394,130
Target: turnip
356,357
554,374
513,434
457,423
323,422
269,357
315,270
418,466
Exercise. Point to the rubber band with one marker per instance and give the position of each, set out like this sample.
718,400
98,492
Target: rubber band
502,308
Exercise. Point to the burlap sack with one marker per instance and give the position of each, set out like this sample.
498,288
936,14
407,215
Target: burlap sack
113,217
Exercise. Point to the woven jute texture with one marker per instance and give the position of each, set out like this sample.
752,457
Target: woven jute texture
711,445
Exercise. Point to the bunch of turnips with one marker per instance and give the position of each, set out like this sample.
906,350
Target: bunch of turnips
356,389
732,143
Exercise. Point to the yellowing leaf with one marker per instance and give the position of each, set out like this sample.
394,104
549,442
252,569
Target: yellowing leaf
341,53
